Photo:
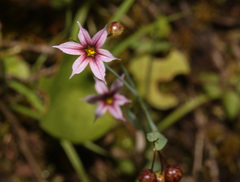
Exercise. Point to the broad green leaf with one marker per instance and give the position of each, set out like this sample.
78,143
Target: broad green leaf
158,139
165,69
16,66
231,102
160,100
68,117
162,70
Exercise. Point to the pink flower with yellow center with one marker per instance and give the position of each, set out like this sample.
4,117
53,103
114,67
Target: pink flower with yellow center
90,52
108,99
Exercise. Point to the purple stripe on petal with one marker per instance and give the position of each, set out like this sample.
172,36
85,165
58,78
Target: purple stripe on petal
79,65
106,55
72,48
92,99
100,37
120,99
116,112
84,36
98,69
100,87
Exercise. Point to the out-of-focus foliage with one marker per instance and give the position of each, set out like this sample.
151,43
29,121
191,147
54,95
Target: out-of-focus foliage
160,70
184,59
69,117
16,66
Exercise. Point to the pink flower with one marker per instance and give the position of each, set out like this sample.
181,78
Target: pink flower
108,99
90,52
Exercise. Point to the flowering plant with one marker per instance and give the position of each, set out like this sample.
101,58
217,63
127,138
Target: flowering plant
108,99
90,52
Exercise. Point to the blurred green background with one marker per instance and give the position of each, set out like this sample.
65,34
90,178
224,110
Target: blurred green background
184,59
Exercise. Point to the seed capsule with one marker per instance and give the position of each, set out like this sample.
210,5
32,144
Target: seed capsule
147,175
173,173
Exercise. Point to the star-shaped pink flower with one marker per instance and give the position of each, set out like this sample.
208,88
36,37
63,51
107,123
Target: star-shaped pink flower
90,52
108,99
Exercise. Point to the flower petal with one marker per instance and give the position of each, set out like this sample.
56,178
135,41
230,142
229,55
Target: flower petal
101,110
104,55
99,38
92,99
117,84
100,87
116,112
84,36
79,65
72,48
98,69
120,99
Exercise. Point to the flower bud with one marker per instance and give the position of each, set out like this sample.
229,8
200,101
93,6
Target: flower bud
115,29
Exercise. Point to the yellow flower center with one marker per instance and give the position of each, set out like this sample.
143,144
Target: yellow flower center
90,51
109,100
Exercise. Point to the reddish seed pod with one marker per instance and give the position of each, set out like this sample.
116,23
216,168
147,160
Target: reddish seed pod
147,175
173,173
160,176
115,29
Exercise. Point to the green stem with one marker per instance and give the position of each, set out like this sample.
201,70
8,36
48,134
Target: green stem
128,76
143,30
122,10
134,92
95,148
181,111
74,159
124,82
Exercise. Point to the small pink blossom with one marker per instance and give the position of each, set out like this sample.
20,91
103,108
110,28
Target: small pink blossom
90,52
108,99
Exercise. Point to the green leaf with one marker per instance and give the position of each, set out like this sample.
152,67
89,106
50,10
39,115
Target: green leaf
30,95
165,69
211,84
213,91
231,102
16,66
163,27
160,100
158,139
69,117
162,70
